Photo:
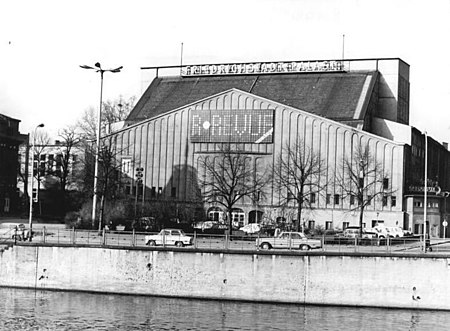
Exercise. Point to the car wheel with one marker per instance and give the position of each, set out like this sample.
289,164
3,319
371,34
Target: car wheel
179,244
265,246
151,243
305,247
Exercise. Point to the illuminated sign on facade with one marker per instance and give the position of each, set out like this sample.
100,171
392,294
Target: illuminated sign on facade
261,68
235,125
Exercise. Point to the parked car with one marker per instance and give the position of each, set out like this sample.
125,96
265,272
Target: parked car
354,232
382,232
292,240
394,231
251,228
174,237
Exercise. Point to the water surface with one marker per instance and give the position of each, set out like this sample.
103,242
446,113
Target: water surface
48,310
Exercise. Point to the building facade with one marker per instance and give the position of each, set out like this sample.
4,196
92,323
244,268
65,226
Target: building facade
260,108
51,169
10,140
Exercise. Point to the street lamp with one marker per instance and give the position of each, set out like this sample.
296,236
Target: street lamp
99,69
30,220
425,202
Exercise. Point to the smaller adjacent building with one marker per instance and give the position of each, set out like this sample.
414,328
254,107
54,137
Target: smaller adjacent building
10,140
51,169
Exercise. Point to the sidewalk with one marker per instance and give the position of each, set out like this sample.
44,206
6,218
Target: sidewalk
6,222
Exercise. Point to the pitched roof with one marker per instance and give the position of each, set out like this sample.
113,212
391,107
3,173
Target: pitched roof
338,96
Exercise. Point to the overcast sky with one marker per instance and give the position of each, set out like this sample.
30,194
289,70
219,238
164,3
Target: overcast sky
42,44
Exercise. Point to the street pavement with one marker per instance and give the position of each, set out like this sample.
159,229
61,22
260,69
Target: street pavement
57,233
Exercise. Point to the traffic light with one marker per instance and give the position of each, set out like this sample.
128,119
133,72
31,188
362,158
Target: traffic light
139,175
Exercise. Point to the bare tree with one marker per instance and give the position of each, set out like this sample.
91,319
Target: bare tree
41,140
363,180
228,178
109,175
113,111
298,175
64,168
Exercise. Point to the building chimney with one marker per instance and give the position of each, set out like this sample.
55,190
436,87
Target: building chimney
445,145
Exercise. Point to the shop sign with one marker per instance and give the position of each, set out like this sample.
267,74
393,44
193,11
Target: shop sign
262,68
233,125
419,189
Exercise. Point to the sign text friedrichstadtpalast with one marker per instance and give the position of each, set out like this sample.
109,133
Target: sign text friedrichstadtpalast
261,68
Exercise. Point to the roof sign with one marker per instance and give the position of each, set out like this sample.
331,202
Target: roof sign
262,68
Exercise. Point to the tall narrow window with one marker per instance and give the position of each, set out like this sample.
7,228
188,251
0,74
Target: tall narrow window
352,200
385,183
42,165
312,198
393,201
328,199
336,199
257,196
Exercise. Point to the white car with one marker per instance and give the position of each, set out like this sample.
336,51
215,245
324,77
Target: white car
354,232
382,232
251,228
175,237
394,231
290,240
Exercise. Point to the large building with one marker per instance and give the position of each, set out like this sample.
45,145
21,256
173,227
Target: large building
260,108
10,139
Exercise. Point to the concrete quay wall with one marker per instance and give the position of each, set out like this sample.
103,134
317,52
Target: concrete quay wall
311,278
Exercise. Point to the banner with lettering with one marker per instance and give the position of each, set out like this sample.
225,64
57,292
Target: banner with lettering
235,125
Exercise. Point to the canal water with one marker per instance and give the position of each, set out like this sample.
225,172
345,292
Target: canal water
48,310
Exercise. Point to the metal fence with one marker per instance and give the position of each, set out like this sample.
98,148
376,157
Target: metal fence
210,241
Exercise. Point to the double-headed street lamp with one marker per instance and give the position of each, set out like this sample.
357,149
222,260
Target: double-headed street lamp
97,67
33,143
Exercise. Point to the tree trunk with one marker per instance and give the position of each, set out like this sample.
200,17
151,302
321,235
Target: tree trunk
299,217
361,216
100,218
230,222
299,211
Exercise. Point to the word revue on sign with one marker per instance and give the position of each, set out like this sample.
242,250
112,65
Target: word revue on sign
235,125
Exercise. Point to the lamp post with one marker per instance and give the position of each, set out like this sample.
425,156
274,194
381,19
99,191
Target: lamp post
425,202
30,220
97,67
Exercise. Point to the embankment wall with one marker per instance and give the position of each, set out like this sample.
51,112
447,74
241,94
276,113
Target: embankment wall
305,278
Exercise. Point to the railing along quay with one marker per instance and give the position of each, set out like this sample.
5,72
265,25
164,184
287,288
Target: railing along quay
77,237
